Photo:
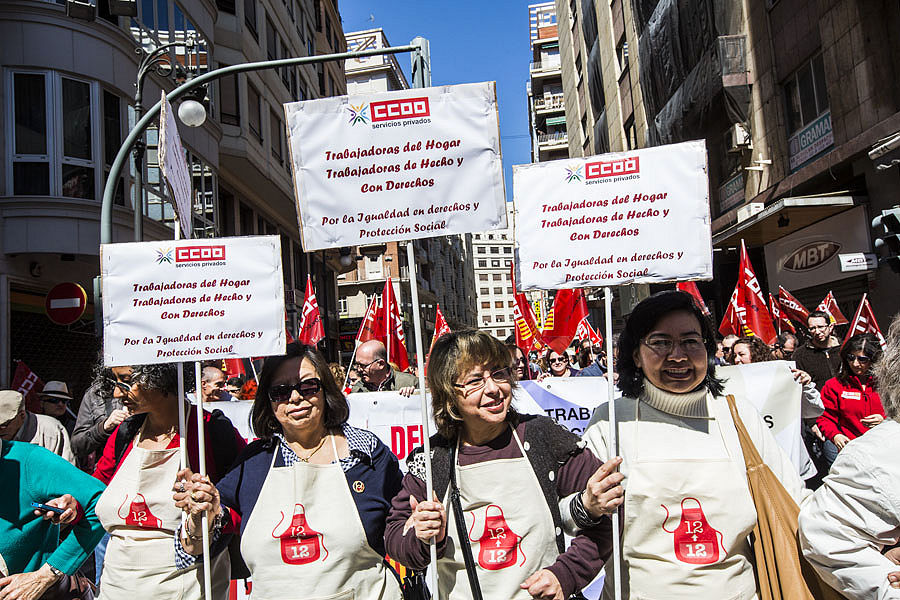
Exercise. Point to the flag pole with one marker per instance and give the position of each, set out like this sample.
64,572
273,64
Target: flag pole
389,287
201,464
426,434
613,441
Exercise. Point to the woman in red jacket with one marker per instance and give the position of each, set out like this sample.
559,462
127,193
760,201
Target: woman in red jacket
852,406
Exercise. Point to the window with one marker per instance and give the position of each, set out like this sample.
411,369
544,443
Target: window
204,193
485,305
498,290
490,236
481,250
271,40
508,262
484,291
226,6
806,94
497,277
482,263
254,110
509,290
510,303
112,139
275,132
250,17
501,318
31,149
498,304
622,55
229,103
494,263
495,249
342,306
482,277
507,250
486,318
317,7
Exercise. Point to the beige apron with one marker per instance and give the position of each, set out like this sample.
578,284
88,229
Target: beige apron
688,513
304,539
509,525
140,515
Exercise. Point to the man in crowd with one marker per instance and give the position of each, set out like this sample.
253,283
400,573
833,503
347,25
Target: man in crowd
233,386
20,425
376,374
820,355
55,398
727,346
212,385
98,416
784,347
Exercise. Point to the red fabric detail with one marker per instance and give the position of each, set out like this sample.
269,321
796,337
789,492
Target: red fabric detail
747,309
440,327
791,307
372,326
843,412
394,328
528,334
312,331
864,322
235,367
569,309
782,323
26,382
829,305
691,288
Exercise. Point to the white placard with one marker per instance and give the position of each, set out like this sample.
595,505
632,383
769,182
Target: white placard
396,166
630,217
192,300
174,166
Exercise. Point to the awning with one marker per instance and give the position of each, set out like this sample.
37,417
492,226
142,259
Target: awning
782,218
556,120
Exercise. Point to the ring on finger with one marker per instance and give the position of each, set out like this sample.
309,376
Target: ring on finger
194,497
181,487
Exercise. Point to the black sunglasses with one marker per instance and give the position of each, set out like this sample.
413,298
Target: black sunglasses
307,387
53,400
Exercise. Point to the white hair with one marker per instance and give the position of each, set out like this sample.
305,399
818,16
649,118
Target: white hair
887,372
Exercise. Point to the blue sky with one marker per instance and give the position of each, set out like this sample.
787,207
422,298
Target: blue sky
470,42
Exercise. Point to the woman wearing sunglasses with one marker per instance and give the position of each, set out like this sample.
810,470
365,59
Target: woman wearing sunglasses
139,464
557,365
852,406
309,497
510,470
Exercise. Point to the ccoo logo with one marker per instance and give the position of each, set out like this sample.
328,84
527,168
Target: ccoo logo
187,254
612,168
406,108
811,256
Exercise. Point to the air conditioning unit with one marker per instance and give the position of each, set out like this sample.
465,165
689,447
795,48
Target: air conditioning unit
737,138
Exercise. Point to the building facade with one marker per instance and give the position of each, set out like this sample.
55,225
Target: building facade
67,106
791,96
444,272
546,102
493,263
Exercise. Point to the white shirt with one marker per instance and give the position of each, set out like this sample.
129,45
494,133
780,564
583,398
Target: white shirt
855,515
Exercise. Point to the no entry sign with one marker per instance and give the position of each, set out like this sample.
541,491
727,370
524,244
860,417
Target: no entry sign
65,303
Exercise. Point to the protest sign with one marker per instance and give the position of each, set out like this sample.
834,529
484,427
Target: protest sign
192,300
396,166
174,165
630,217
570,401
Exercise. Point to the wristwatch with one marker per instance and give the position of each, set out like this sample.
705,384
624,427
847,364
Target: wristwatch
56,572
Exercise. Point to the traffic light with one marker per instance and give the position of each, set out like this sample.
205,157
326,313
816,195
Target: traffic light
888,223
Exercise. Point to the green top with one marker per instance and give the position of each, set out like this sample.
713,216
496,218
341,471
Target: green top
30,473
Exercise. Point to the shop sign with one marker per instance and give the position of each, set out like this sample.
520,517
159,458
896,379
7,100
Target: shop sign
731,193
811,141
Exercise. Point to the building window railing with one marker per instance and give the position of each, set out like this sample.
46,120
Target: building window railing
538,66
555,137
550,102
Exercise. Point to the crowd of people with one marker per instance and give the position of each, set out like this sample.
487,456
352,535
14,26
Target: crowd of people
313,507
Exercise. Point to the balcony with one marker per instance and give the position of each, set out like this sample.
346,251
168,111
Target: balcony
548,103
545,69
549,140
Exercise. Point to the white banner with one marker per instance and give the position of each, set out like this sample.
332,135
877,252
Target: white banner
192,300
396,166
570,401
630,217
174,166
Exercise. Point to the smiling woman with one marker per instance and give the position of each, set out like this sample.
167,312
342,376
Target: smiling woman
682,460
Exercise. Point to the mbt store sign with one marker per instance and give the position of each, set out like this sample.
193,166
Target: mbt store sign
810,256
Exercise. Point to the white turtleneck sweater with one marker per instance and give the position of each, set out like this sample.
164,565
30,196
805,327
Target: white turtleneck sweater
679,425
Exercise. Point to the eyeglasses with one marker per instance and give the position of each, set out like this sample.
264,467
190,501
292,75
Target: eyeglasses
663,346
53,400
363,366
307,387
863,360
122,385
559,359
474,384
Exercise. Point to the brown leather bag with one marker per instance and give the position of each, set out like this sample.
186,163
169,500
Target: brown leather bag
71,587
781,570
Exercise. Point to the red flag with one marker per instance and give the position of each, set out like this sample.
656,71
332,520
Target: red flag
311,329
829,306
440,327
864,322
791,307
397,338
26,382
733,321
287,335
586,332
528,334
235,367
569,309
372,326
748,306
781,321
691,288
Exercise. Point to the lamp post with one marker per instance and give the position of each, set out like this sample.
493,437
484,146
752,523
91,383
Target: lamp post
153,61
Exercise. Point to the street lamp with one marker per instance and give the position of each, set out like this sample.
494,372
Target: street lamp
191,112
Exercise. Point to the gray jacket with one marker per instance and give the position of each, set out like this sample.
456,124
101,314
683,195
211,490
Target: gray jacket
395,381
89,437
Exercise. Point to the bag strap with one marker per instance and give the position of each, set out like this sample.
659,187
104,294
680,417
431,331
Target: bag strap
752,458
461,532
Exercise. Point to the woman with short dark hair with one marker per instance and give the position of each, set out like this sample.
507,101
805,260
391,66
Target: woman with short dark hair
750,349
139,464
852,405
309,497
688,509
511,471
